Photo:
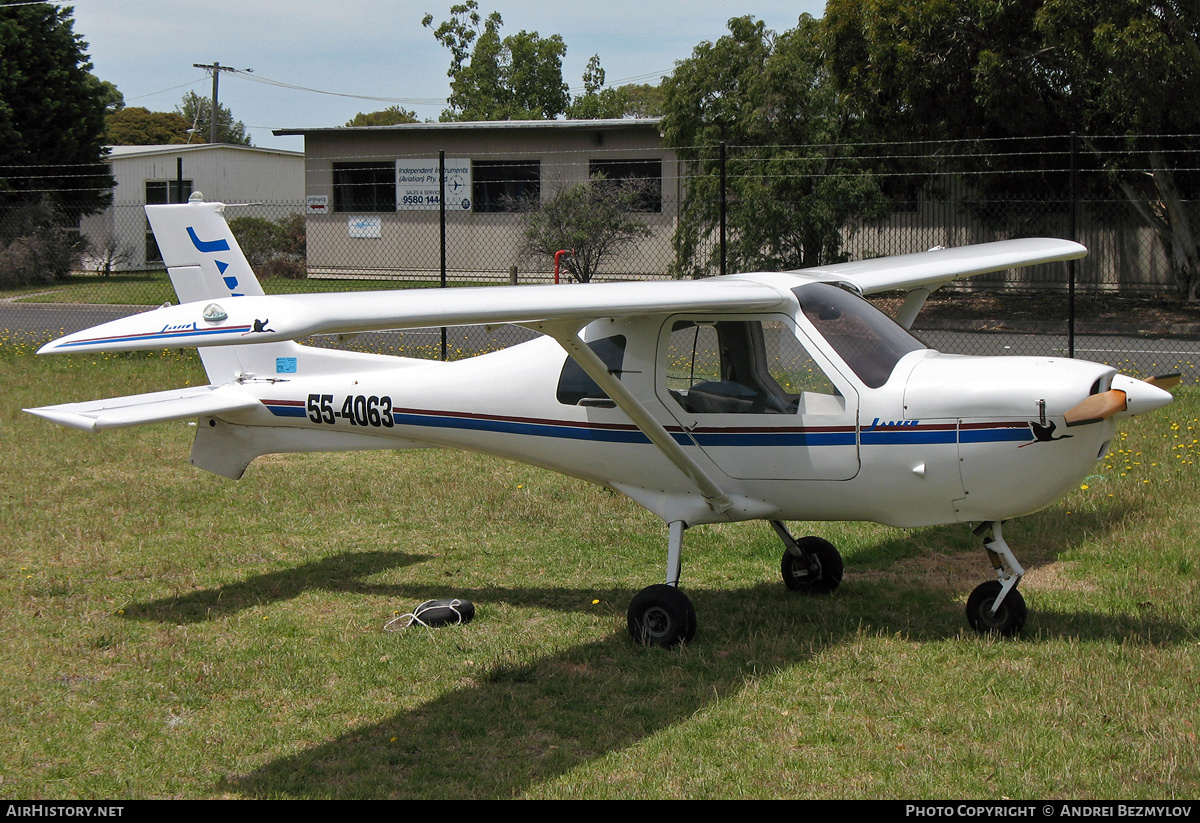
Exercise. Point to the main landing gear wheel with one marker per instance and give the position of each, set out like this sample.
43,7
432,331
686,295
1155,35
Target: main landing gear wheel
1007,620
661,615
812,566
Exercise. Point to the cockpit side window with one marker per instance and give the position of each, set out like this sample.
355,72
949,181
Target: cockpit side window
868,340
575,388
744,367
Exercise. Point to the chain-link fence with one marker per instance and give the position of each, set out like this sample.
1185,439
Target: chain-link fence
361,236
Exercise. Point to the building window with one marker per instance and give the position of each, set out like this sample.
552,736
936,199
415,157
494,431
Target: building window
364,187
506,185
159,192
646,175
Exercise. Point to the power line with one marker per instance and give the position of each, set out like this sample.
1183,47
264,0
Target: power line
411,101
164,91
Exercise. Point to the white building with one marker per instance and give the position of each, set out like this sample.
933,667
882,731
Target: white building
271,179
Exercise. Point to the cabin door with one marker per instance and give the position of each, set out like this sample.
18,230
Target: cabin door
758,398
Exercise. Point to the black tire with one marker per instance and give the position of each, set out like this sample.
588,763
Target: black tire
1008,619
814,567
661,615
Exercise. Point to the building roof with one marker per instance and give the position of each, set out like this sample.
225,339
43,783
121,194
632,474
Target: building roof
483,125
117,152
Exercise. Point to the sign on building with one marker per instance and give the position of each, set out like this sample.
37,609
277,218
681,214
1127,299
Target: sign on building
417,184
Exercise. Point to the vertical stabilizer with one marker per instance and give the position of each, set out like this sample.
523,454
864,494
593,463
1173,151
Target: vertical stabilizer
201,253
205,262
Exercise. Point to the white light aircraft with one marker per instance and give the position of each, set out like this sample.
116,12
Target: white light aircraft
773,396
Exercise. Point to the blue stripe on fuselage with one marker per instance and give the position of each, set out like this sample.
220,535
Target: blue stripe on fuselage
710,438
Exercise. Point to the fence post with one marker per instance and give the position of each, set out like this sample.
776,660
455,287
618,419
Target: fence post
722,232
442,221
1073,238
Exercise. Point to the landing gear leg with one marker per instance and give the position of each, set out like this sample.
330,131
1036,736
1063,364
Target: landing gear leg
662,615
810,565
996,607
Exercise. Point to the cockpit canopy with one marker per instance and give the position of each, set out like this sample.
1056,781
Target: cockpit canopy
868,340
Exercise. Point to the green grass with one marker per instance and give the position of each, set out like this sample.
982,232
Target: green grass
171,634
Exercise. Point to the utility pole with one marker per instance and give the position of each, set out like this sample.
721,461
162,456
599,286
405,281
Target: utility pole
216,69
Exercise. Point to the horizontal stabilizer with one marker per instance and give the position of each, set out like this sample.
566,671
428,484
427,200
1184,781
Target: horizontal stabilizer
156,407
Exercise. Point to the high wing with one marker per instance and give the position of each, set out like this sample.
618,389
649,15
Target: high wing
929,270
923,273
240,320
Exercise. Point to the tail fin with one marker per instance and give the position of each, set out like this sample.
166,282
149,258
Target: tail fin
205,262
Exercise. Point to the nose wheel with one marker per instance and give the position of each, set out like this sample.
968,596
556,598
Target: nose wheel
986,616
996,607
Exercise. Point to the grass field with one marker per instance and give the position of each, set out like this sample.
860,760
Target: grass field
171,634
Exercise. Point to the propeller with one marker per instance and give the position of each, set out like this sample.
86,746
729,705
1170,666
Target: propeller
1128,395
1097,407
1165,381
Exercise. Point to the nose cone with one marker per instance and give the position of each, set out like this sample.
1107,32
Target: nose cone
1140,396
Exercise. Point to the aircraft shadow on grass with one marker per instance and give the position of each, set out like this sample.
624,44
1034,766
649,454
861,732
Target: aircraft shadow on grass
514,726
520,726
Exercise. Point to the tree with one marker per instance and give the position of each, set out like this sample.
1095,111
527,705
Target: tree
593,220
138,126
977,70
643,100
597,102
51,112
106,251
518,77
391,116
1134,68
197,111
793,190
114,101
37,243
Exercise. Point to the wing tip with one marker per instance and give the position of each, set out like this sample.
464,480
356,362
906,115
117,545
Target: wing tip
64,418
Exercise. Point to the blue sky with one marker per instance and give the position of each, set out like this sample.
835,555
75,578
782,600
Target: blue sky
371,48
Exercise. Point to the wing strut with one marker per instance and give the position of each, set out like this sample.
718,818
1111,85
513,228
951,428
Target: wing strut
567,335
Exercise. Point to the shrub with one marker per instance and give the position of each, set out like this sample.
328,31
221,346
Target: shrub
596,220
273,248
36,245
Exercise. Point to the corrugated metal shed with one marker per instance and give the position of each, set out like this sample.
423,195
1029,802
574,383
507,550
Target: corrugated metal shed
223,172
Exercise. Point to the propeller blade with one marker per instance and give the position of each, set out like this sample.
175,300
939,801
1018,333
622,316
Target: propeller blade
1096,407
1165,381
1127,396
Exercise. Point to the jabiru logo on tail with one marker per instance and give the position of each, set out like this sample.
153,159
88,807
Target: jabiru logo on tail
210,247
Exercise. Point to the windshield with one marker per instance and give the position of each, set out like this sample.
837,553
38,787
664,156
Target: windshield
868,340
